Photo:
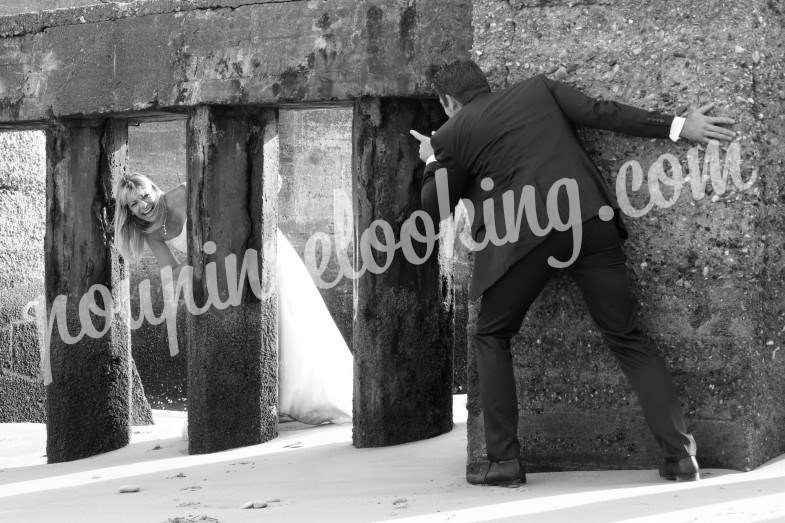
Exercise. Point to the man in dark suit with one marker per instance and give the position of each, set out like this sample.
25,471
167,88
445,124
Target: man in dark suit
521,141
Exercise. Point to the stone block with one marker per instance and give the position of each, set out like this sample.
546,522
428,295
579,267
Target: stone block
164,54
24,348
24,400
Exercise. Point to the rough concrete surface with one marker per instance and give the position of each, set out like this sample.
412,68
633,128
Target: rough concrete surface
403,329
89,398
232,351
707,273
257,53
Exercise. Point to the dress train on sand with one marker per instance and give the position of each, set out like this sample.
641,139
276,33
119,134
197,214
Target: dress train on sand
315,367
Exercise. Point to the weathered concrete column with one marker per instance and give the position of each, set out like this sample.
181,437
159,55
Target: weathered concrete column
403,319
232,353
89,399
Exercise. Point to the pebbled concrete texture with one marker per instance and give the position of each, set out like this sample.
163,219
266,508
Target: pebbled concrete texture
707,273
237,52
22,206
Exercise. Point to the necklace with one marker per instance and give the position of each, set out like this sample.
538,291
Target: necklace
163,226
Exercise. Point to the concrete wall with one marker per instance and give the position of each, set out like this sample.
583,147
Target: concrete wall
707,274
22,207
316,194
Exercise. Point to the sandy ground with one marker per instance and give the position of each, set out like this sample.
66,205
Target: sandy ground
314,474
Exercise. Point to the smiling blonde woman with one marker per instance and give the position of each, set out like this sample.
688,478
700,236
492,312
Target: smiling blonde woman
315,365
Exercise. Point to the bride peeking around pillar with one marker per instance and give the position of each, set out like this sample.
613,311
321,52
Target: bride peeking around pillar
315,366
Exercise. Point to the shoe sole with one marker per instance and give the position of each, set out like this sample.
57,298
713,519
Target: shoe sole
508,484
683,477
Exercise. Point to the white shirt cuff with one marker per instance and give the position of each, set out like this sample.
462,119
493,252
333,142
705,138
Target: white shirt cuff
676,125
432,158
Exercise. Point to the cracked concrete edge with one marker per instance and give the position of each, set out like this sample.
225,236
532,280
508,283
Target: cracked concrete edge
37,22
768,93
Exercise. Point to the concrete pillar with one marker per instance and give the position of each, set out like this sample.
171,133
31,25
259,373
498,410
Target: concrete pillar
89,399
232,353
402,333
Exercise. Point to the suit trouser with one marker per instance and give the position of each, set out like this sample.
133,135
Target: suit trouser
601,275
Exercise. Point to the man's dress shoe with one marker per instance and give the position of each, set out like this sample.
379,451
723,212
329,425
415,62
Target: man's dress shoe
685,469
505,473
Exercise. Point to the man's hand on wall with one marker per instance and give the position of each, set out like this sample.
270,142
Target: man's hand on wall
701,128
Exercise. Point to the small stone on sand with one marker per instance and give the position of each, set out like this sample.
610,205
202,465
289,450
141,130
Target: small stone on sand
254,504
128,488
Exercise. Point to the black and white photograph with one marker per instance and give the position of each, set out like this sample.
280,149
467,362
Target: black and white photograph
392,260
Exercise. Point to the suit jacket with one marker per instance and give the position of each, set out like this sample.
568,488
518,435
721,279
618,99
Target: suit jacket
524,136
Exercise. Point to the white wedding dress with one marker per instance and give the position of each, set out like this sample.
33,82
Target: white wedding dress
315,366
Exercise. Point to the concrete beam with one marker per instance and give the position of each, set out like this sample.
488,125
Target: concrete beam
112,59
403,327
232,353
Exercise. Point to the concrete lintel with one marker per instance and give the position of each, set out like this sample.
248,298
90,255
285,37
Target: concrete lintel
223,53
36,22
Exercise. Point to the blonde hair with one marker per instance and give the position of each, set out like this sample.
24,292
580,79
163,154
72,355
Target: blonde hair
129,230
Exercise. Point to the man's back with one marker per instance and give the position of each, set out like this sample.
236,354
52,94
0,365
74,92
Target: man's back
517,137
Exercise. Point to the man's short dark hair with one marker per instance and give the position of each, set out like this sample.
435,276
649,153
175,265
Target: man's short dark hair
461,79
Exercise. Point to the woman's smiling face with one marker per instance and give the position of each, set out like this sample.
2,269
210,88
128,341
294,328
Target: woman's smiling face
141,204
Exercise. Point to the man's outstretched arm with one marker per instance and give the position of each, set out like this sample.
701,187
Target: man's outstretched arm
591,112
